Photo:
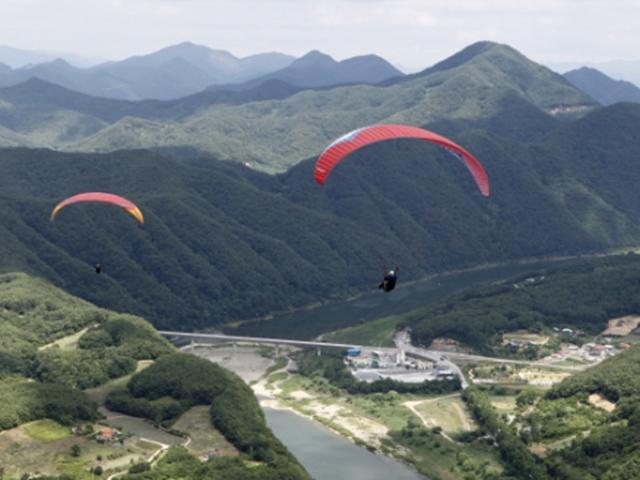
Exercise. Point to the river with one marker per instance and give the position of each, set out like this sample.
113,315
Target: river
324,454
328,456
308,324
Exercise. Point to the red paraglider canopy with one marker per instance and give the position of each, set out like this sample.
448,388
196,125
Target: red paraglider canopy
127,205
361,137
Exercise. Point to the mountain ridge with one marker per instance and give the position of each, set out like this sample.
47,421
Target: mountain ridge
169,73
268,243
602,88
275,126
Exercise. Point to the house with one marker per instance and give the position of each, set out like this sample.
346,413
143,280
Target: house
106,434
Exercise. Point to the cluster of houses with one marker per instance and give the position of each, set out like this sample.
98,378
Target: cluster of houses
590,352
105,434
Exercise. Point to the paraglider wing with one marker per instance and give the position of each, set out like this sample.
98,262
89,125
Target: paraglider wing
100,197
352,141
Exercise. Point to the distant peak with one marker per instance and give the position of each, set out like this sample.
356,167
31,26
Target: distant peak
60,62
314,57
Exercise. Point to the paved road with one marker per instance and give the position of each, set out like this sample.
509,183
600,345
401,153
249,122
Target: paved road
218,337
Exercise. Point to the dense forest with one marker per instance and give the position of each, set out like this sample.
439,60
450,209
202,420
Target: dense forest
267,243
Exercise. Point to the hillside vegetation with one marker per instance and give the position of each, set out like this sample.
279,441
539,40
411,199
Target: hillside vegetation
177,382
33,314
606,445
584,294
223,242
272,135
42,379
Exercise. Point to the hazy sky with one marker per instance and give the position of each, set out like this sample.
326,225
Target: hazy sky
412,33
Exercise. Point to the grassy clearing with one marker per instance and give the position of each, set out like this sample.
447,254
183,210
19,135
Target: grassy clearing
279,364
142,428
449,413
46,430
204,438
378,332
504,403
276,377
524,336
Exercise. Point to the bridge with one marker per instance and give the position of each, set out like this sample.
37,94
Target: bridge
221,338
401,340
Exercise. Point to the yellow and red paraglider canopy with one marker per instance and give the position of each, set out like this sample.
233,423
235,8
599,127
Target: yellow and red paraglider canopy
100,197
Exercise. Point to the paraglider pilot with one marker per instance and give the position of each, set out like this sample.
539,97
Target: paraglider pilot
390,278
98,268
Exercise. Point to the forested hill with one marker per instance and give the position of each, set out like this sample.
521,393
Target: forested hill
224,242
53,347
272,127
583,294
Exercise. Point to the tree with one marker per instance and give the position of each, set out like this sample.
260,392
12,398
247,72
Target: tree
75,451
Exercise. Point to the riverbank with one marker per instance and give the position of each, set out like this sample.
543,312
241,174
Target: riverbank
387,424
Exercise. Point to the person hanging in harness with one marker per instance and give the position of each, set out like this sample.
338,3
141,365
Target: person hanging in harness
390,278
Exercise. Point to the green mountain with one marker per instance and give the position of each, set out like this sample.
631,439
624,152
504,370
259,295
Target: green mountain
47,114
604,89
475,85
224,242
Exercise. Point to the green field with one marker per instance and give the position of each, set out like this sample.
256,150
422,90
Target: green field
46,430
142,428
379,332
21,452
504,403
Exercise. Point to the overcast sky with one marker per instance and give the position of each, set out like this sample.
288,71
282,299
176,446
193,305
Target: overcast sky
410,33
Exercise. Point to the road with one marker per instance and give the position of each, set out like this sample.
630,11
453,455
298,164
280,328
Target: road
402,339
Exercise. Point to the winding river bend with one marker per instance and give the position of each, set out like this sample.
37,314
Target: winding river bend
326,455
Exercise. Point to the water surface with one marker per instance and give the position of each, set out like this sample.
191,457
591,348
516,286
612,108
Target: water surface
327,456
